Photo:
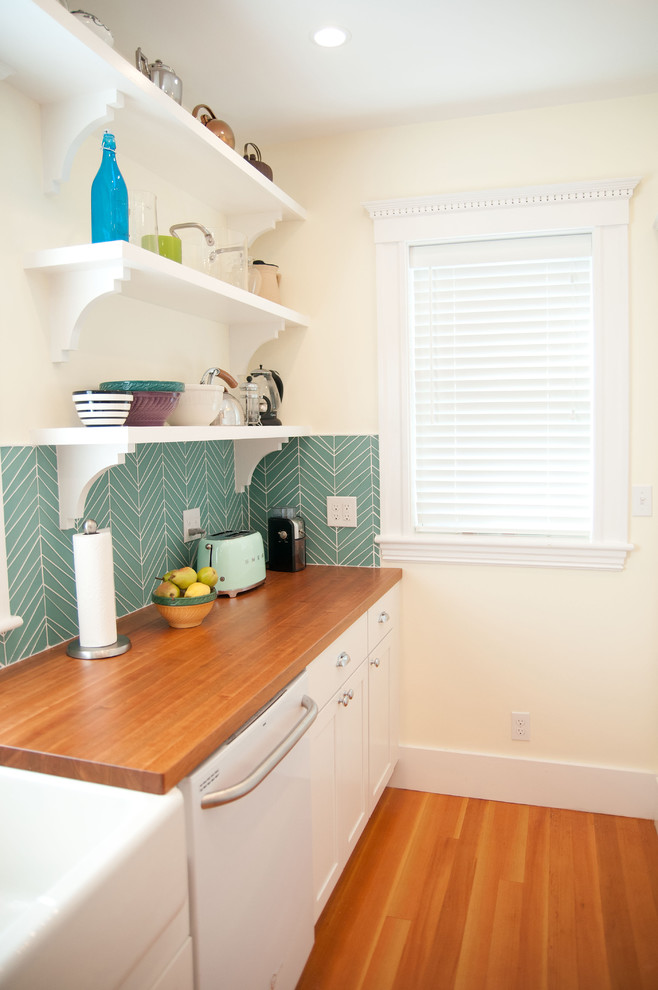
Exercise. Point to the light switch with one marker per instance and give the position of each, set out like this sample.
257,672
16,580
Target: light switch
642,500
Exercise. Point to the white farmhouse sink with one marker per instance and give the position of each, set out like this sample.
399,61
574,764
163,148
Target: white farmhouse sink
93,884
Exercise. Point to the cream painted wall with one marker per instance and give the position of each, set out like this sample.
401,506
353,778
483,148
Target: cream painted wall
577,649
121,338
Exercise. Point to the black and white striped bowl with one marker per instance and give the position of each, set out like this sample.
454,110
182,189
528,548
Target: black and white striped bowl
98,408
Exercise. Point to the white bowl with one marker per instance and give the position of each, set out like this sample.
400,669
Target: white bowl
97,408
198,405
91,21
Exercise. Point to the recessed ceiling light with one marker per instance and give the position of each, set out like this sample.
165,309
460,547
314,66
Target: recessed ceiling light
330,36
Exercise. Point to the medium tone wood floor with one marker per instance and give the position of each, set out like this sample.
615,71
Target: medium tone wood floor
449,893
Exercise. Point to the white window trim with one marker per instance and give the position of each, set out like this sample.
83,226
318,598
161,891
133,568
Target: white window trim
600,206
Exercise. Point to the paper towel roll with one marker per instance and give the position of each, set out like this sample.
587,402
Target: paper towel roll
94,588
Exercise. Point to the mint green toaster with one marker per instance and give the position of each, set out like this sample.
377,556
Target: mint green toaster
238,556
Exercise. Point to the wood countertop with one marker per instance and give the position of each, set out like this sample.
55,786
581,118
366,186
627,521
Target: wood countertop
147,718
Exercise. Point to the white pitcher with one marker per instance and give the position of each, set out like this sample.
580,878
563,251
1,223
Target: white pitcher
270,280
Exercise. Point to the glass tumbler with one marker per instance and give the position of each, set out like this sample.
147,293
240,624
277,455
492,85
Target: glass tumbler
143,219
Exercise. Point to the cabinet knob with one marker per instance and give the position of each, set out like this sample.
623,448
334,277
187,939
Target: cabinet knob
343,659
376,662
383,617
346,698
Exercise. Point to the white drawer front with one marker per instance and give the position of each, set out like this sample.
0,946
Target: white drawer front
383,616
335,664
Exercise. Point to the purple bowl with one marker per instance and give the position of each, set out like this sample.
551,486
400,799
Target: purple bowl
151,408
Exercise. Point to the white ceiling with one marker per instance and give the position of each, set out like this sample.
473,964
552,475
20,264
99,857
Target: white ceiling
253,63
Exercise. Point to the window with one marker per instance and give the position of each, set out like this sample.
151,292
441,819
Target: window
501,364
503,339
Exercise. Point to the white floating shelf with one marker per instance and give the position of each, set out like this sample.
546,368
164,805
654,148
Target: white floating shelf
85,272
93,436
80,82
84,453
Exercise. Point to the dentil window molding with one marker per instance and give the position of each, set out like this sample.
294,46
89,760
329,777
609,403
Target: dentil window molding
577,192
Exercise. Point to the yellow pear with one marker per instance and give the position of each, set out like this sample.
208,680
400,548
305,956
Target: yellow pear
184,577
167,590
209,576
197,589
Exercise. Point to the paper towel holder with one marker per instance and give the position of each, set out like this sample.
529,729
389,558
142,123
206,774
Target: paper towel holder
78,652
75,648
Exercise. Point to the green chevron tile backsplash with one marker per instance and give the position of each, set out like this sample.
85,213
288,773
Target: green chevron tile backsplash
142,501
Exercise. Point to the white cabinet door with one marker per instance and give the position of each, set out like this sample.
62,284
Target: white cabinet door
352,777
339,780
383,703
382,714
326,851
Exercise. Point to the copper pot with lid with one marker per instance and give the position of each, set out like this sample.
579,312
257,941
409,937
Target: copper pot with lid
218,127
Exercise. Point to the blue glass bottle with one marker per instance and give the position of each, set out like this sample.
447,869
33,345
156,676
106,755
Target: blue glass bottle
109,198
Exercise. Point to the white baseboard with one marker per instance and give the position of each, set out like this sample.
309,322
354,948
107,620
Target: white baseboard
606,790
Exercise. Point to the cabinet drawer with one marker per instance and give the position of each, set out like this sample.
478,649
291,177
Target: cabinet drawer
335,664
383,616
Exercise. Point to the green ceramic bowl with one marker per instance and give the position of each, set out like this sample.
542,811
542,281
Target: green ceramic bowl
198,600
148,386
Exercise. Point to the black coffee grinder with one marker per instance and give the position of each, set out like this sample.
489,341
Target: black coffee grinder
287,540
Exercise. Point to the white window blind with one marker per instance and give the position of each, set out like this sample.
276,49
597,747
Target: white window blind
502,369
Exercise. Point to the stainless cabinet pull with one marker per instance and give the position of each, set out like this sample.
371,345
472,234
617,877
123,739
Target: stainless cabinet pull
383,617
343,659
261,771
375,663
347,697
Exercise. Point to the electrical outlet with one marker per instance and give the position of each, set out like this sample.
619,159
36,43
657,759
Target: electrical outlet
191,525
333,511
348,511
341,511
521,726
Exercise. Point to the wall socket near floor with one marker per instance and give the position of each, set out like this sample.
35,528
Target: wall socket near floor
191,525
341,511
521,726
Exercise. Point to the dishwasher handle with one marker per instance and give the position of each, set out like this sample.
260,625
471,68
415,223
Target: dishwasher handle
260,772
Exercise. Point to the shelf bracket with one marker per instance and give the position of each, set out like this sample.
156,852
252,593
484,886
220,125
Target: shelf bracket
252,225
249,453
77,469
69,295
244,344
66,124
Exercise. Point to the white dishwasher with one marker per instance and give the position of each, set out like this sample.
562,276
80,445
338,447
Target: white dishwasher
248,818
